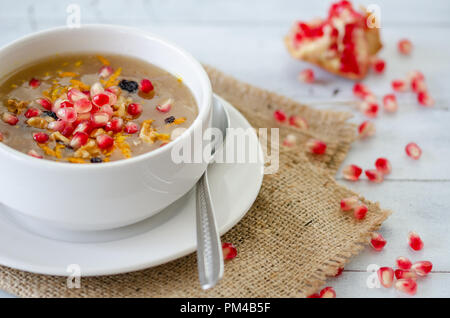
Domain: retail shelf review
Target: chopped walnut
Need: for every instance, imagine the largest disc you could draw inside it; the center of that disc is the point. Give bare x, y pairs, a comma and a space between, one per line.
15, 106
89, 150
147, 133
57, 136
37, 122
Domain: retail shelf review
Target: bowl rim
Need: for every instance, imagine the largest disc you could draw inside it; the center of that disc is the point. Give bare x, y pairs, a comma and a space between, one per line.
51, 164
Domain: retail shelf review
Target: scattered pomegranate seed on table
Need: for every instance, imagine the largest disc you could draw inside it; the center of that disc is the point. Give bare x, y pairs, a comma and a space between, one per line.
390, 103
418, 85
405, 46
406, 285
413, 150
386, 276
360, 212
361, 91
403, 263
289, 141
378, 66
422, 268
414, 241
306, 76
399, 85
383, 165
405, 273
279, 115
425, 99
366, 129
370, 109
316, 146
327, 292
352, 172
348, 204
339, 272
374, 175
229, 251
377, 241
298, 122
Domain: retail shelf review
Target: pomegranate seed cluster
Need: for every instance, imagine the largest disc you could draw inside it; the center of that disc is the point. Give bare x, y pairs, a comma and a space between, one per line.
353, 204
82, 123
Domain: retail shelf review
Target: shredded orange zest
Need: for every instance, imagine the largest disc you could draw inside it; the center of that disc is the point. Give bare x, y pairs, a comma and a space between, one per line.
68, 74
80, 85
123, 146
50, 152
78, 63
75, 160
103, 60
46, 93
162, 137
112, 80
179, 120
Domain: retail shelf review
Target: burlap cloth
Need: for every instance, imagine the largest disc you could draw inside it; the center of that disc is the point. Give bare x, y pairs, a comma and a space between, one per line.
292, 238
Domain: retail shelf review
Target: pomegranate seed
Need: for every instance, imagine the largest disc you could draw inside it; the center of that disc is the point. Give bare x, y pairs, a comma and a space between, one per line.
407, 285
34, 154
416, 75
361, 91
82, 117
379, 65
32, 112
399, 85
83, 105
131, 128
289, 141
377, 241
165, 107
114, 89
107, 109
403, 263
100, 99
57, 105
306, 76
404, 273
45, 103
374, 175
327, 292
84, 127
134, 109
229, 251
352, 172
79, 139
279, 115
67, 114
425, 99
10, 119
418, 85
383, 165
112, 98
57, 125
405, 46
146, 86
66, 104
422, 268
348, 204
339, 272
75, 95
298, 122
316, 146
105, 141
390, 103
366, 129
386, 276
105, 71
115, 125
314, 296
414, 241
370, 109
67, 130
99, 119
34, 83
96, 88
40, 137
360, 212
413, 150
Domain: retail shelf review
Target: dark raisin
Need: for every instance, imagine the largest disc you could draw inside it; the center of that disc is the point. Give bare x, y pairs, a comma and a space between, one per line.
169, 120
96, 160
129, 86
51, 114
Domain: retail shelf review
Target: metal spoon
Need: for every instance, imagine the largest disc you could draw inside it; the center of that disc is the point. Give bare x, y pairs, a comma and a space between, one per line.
209, 247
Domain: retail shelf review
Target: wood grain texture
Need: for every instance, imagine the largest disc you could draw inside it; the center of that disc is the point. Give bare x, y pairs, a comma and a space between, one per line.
244, 39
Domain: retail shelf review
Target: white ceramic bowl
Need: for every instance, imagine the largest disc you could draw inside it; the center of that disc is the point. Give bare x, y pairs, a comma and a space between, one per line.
107, 195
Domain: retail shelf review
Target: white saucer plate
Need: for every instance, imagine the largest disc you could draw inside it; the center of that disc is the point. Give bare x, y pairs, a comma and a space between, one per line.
166, 236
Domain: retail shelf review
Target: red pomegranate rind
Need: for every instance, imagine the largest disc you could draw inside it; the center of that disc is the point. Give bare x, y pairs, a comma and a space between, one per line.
341, 43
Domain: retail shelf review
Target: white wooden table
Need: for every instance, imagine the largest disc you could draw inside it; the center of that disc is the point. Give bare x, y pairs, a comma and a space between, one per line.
244, 38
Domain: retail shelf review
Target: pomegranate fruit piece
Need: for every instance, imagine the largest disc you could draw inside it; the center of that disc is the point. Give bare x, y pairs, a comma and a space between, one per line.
403, 263
229, 251
40, 137
377, 241
327, 292
10, 119
366, 129
360, 212
404, 46
298, 122
352, 172
386, 276
413, 150
32, 112
166, 106
134, 109
414, 241
374, 175
306, 76
105, 141
131, 128
390, 103
316, 146
406, 285
383, 165
279, 115
146, 86
422, 268
349, 203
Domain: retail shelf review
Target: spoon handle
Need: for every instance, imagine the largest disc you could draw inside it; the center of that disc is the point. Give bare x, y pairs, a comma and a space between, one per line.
209, 248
